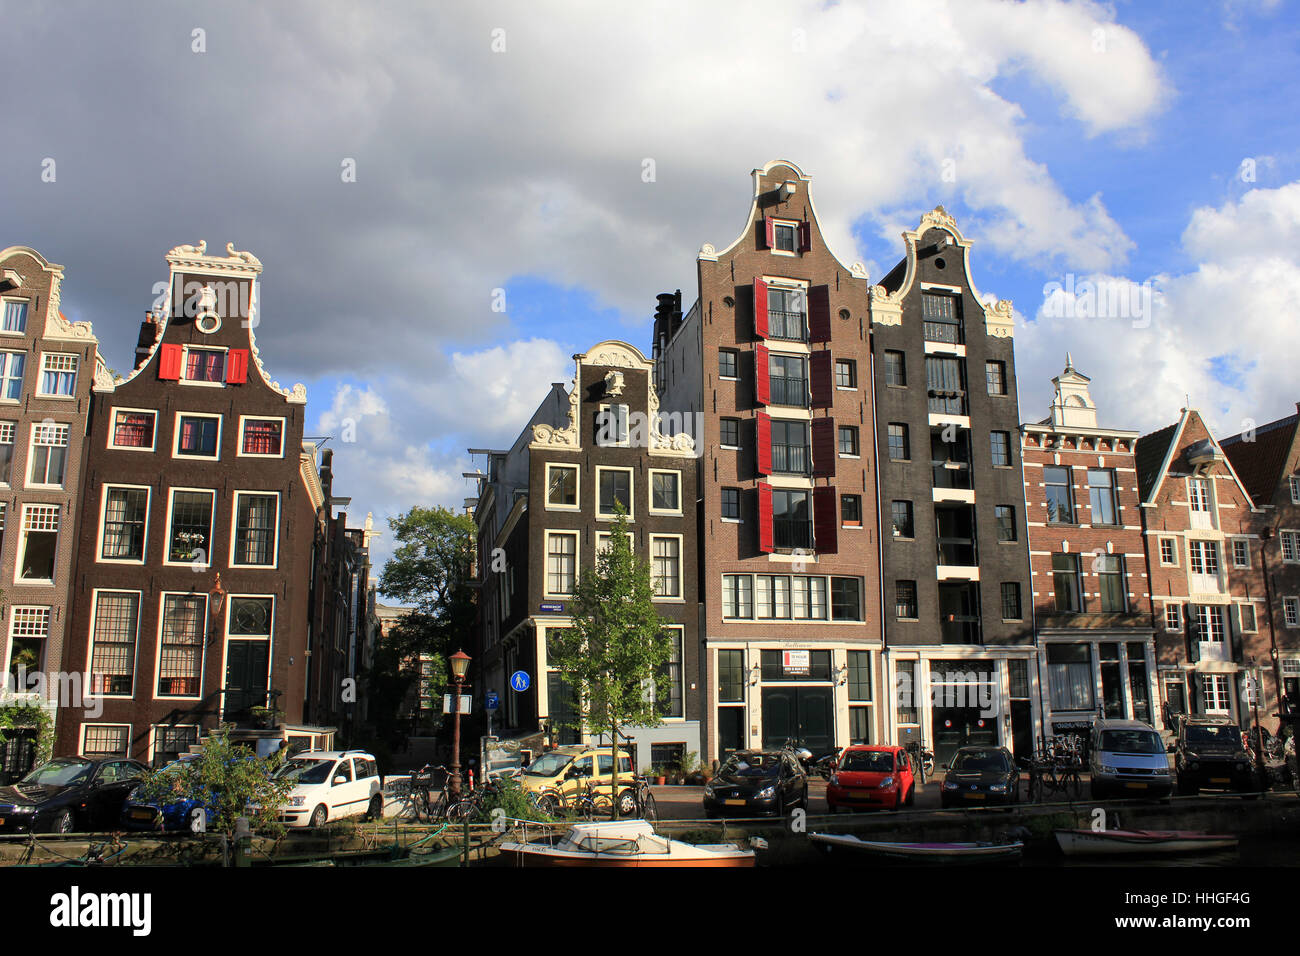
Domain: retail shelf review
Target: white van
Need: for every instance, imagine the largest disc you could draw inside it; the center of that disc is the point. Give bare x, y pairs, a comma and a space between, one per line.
1128, 759
330, 785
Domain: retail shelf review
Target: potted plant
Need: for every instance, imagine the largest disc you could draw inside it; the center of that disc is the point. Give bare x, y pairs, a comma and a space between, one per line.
264, 718
659, 776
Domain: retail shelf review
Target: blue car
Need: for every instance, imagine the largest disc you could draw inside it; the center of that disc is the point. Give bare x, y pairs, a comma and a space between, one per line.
139, 813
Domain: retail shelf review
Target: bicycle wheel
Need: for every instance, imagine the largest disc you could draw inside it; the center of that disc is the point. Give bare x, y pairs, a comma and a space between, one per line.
1035, 788
461, 811
648, 809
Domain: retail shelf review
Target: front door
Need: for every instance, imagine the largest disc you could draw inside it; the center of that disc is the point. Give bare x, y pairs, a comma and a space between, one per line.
245, 678
1022, 729
956, 727
801, 713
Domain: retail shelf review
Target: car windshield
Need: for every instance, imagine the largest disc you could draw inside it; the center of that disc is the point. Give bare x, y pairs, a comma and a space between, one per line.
1130, 742
59, 773
751, 765
867, 761
1224, 735
306, 771
979, 761
548, 765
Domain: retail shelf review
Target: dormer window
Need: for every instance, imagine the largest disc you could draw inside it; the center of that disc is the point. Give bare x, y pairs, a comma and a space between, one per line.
204, 365
15, 318
787, 237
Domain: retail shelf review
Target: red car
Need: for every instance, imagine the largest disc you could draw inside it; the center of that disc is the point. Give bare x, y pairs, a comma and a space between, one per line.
871, 776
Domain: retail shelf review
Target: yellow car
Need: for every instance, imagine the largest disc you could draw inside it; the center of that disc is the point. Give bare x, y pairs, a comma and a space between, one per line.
559, 777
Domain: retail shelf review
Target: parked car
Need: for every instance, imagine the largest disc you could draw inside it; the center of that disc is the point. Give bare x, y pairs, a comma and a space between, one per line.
140, 813
1128, 757
1209, 755
331, 785
757, 783
560, 776
871, 776
69, 794
980, 777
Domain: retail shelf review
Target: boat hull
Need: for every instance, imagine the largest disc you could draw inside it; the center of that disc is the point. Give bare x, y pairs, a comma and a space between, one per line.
523, 855
923, 852
1140, 842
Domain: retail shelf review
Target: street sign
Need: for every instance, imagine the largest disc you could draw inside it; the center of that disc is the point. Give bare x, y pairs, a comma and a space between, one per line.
492, 703
519, 681
452, 704
552, 607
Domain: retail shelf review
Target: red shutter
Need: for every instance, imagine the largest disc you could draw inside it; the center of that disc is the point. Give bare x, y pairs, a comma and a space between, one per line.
821, 372
762, 376
765, 518
824, 450
826, 521
169, 362
805, 236
760, 308
769, 232
237, 366
764, 423
819, 314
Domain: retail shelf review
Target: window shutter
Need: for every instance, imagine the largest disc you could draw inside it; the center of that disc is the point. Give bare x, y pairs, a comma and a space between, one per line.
769, 232
819, 314
765, 518
237, 366
1193, 631
760, 308
1234, 634
762, 376
821, 371
805, 236
169, 362
1194, 705
826, 520
824, 451
764, 422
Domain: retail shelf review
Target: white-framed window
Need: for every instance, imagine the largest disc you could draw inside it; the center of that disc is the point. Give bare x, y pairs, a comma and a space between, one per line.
181, 632
1240, 552
254, 529
203, 366
1215, 693
106, 739
1209, 623
11, 375
612, 426
1168, 552
561, 562
1204, 557
785, 237
1291, 611
190, 518
123, 523
29, 632
671, 675
614, 486
738, 596
58, 375
39, 543
133, 428
172, 740
7, 431
1294, 482
114, 623
1173, 617
563, 487
260, 437
665, 492
782, 597
772, 596
1290, 546
603, 539
197, 436
666, 565
48, 455
1246, 618
14, 319
1198, 494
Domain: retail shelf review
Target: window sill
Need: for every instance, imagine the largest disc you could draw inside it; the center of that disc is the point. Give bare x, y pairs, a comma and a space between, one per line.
730, 447
149, 448
853, 457
846, 388
57, 398
668, 600
728, 378
726, 520
569, 508
201, 384
851, 527
908, 620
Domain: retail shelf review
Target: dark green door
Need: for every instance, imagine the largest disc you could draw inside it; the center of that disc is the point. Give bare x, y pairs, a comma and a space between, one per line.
245, 678
803, 713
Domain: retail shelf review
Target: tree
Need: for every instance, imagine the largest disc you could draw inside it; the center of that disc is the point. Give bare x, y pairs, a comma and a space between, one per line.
614, 654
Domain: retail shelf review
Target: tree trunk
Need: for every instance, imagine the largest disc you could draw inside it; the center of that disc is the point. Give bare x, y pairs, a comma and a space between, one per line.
614, 753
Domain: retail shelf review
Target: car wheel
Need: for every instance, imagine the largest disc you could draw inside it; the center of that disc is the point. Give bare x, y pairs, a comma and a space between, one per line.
803, 801
780, 806
911, 795
318, 816
898, 799
376, 809
63, 823
626, 803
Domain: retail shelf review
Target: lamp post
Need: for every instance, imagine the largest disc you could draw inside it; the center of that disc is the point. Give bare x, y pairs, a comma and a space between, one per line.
459, 665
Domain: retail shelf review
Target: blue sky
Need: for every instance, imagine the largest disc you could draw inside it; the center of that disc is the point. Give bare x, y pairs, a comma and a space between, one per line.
501, 147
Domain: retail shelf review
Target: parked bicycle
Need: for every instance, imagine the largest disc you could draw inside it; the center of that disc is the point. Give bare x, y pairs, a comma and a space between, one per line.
1055, 770
446, 805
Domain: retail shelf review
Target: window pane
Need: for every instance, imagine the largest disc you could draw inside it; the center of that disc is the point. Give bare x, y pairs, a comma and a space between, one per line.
112, 659
255, 525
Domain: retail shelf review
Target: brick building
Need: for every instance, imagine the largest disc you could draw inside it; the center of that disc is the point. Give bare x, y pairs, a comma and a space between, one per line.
1201, 529
1091, 594
198, 509
956, 584
770, 368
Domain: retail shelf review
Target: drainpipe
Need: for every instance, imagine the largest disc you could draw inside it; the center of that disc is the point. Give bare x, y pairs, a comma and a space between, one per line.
1284, 713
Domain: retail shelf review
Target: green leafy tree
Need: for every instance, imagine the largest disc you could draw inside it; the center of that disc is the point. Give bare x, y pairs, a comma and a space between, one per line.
614, 654
230, 779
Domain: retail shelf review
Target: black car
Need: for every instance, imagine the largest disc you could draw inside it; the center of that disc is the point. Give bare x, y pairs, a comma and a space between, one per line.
981, 777
753, 783
69, 794
1209, 755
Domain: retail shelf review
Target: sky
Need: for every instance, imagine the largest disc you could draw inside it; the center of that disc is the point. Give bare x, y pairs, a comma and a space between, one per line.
450, 200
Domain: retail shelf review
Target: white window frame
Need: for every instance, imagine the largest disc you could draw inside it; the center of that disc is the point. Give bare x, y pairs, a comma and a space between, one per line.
176, 436
624, 439
1241, 621
735, 354
1291, 611
5, 302
1294, 482
90, 644
6, 377
212, 528
203, 644
721, 443
76, 373
546, 486
81, 736
103, 513
12, 429
1205, 551
227, 638
1173, 549
631, 492
66, 429
234, 518
155, 728
680, 596
1245, 543
650, 491
20, 554
1285, 535
225, 364
794, 227
1203, 484
1177, 618
239, 445
577, 563
112, 429
1222, 693
681, 672
13, 621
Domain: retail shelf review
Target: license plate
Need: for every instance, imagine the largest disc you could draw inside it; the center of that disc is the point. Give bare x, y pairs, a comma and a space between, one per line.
141, 815
2, 821
734, 803
1136, 786
860, 793
974, 796
1220, 780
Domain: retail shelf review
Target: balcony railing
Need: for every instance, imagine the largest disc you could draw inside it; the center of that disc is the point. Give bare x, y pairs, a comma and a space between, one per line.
789, 391
790, 459
947, 403
959, 629
791, 533
952, 474
787, 325
957, 551
946, 332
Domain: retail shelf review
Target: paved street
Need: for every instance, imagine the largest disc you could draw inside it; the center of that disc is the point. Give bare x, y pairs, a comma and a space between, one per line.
687, 803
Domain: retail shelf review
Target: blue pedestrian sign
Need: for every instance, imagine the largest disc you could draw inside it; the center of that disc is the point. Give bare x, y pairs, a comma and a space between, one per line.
492, 702
519, 681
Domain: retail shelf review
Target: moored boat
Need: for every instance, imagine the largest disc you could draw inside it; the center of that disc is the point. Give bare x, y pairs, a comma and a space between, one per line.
622, 843
922, 852
1140, 842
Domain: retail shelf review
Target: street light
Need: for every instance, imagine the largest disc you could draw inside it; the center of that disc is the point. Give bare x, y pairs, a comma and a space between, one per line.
459, 665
